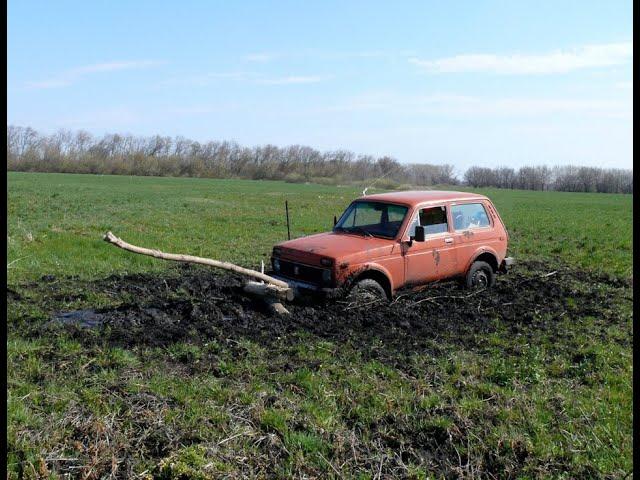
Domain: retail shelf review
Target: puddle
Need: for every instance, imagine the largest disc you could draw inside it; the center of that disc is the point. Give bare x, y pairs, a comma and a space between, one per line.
88, 318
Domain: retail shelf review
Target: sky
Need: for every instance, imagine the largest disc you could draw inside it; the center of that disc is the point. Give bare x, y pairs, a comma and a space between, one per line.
466, 83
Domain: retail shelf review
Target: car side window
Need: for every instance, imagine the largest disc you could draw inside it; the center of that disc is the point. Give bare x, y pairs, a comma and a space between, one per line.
433, 219
469, 215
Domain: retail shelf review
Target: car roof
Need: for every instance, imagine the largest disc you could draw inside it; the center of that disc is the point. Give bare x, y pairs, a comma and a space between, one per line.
415, 197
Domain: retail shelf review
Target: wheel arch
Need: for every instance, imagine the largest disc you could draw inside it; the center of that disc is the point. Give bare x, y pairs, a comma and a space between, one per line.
485, 255
376, 274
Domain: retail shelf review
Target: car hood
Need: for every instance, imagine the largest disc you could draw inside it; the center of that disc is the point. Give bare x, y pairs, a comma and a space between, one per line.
339, 246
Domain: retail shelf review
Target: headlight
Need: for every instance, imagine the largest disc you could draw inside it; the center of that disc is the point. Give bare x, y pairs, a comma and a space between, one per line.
327, 262
326, 276
277, 251
276, 264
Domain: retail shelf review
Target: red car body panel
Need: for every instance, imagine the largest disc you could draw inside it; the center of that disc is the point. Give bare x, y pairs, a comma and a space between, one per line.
403, 262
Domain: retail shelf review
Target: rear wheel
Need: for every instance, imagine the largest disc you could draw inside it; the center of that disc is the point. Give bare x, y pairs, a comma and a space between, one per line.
480, 275
367, 291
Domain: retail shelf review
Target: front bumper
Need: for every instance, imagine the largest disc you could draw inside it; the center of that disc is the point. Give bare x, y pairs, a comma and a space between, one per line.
298, 285
506, 264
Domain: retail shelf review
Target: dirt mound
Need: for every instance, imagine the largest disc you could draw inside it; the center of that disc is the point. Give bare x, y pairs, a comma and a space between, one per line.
199, 304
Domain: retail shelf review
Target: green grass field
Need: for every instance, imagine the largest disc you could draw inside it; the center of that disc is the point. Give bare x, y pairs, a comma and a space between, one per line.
56, 221
555, 407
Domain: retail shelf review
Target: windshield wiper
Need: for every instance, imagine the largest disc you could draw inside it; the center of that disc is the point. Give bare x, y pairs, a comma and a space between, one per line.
360, 229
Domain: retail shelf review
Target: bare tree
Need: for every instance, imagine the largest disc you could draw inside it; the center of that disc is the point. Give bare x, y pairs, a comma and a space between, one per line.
80, 152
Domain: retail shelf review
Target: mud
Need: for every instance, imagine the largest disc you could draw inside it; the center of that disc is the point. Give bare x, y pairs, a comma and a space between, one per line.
538, 302
82, 318
194, 304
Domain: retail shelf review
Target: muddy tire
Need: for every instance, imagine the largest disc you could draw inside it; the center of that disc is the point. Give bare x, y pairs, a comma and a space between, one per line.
367, 291
480, 275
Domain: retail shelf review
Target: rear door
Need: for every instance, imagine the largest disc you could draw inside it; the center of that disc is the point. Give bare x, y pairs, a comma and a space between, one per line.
435, 258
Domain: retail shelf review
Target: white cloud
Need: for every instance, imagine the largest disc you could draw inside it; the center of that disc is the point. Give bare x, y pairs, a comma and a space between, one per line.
625, 85
204, 79
448, 105
114, 66
589, 56
73, 75
292, 80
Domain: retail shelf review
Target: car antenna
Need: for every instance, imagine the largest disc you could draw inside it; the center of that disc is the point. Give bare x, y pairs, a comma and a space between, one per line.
364, 192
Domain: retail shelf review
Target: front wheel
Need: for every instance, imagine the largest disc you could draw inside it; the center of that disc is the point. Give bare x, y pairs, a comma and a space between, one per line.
480, 275
367, 291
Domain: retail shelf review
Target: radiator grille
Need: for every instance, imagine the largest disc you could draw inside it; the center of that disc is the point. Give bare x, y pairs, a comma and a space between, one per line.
301, 272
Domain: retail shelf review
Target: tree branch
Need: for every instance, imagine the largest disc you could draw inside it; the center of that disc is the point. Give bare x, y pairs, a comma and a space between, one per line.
277, 285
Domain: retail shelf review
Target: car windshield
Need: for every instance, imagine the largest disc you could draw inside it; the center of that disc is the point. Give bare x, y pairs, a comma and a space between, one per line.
372, 218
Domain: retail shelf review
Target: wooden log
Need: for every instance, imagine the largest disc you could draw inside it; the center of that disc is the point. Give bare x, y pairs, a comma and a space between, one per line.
270, 296
277, 307
266, 290
278, 287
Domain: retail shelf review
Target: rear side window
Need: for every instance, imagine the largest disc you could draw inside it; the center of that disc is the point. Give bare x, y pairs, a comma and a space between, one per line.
469, 215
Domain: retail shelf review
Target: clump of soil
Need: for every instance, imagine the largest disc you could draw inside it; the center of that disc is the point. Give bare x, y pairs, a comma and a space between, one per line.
199, 304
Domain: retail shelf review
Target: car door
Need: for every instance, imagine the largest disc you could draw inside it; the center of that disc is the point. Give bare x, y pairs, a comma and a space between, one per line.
435, 258
472, 228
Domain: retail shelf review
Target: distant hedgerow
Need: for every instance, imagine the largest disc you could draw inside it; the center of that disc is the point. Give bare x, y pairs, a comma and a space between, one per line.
116, 154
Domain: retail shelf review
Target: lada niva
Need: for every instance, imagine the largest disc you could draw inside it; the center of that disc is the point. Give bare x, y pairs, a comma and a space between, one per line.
388, 241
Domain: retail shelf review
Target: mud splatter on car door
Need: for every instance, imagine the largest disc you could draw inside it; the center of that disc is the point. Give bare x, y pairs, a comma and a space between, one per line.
433, 258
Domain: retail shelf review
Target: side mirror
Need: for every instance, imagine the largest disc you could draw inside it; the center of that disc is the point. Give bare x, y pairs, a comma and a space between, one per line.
418, 236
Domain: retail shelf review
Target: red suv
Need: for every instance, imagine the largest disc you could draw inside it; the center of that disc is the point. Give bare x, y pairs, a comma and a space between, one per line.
401, 239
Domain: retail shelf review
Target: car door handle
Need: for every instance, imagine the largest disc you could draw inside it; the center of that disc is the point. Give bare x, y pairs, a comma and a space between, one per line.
448, 240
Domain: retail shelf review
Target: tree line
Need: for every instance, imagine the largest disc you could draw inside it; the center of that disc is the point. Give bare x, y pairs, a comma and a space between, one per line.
566, 178
116, 154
